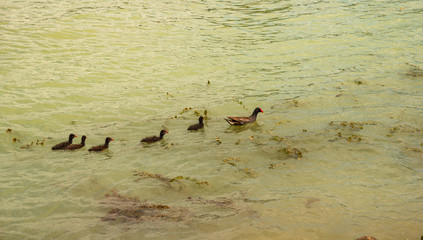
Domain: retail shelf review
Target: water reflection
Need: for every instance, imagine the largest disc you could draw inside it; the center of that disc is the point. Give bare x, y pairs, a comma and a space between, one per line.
254, 127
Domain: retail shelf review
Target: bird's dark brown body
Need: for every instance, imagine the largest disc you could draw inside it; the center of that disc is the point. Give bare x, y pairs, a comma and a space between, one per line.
62, 145
101, 147
197, 126
154, 138
76, 145
244, 120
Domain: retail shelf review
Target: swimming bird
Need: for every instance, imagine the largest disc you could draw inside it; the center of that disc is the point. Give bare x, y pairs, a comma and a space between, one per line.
76, 145
62, 145
154, 138
101, 147
197, 126
244, 120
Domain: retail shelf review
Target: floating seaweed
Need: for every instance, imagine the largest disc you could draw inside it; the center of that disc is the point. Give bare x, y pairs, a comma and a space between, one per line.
289, 150
222, 206
239, 102
294, 102
235, 162
414, 70
256, 140
220, 201
354, 138
344, 130
185, 110
275, 165
169, 145
291, 102
278, 139
189, 179
248, 171
159, 177
166, 180
310, 202
40, 142
182, 112
282, 122
358, 82
232, 161
413, 149
27, 146
198, 114
114, 193
126, 208
9, 130
292, 152
347, 137
404, 128
342, 125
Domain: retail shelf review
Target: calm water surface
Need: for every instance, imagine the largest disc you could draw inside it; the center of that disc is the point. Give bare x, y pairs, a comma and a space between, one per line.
337, 153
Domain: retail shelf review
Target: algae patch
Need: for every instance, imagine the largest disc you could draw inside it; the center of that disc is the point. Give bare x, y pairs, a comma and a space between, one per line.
293, 152
348, 130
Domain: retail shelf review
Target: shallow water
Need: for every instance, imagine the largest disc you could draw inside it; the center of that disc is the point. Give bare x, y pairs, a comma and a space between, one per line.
337, 153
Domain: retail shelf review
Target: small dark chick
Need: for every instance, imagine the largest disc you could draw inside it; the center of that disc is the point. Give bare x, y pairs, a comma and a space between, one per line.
100, 148
154, 138
197, 126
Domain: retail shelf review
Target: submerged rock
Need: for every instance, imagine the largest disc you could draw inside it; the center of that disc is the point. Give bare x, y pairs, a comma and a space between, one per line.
132, 210
125, 208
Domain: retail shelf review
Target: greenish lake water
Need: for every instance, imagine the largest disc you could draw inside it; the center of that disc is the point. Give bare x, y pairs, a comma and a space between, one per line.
337, 153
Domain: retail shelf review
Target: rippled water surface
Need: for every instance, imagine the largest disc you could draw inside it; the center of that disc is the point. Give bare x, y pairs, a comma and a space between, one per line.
337, 153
